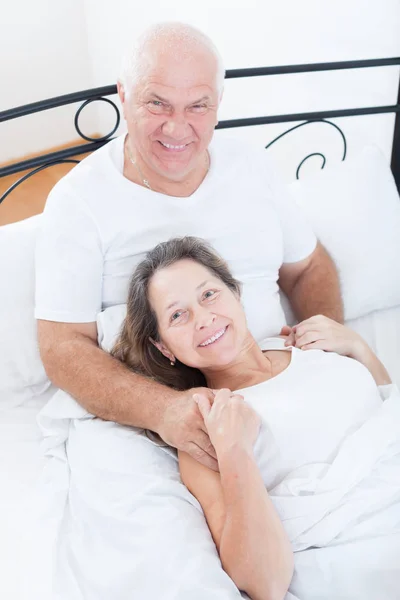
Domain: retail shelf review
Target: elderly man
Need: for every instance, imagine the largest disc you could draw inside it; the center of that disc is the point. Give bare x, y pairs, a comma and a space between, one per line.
167, 177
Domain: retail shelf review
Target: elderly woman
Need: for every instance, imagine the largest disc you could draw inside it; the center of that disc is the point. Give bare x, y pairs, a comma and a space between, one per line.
308, 453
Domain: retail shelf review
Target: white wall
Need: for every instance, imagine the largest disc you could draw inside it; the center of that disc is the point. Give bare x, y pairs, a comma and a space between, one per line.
44, 53
254, 33
262, 33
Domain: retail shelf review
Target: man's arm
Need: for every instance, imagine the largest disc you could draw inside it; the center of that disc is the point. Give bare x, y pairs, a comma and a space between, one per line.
312, 286
105, 387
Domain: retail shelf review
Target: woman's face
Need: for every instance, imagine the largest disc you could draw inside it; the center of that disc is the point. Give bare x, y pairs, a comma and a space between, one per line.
200, 320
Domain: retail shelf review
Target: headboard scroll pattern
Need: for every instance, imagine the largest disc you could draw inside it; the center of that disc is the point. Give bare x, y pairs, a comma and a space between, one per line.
100, 94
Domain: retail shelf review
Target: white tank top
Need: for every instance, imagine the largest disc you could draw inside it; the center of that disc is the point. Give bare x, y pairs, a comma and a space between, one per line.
308, 409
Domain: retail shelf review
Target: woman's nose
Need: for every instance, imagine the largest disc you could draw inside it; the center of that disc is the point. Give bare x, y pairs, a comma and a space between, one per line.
204, 319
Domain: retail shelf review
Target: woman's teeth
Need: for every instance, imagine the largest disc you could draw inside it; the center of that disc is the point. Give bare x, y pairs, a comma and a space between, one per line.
214, 338
171, 147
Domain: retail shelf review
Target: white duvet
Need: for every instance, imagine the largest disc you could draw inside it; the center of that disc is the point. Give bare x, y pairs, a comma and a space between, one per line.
116, 522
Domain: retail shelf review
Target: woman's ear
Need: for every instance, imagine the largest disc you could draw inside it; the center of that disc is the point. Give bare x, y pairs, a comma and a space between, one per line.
163, 349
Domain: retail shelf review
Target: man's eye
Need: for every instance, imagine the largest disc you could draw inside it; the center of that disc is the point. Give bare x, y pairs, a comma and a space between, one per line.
199, 107
156, 105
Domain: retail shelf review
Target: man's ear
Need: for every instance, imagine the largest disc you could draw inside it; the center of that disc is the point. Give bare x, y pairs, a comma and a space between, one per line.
163, 349
219, 103
122, 97
121, 92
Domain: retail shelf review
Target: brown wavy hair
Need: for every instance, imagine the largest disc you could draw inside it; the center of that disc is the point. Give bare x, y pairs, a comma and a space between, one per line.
133, 346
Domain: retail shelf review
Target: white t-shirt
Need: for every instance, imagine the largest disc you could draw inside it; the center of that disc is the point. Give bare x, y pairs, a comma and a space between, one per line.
329, 455
97, 225
309, 409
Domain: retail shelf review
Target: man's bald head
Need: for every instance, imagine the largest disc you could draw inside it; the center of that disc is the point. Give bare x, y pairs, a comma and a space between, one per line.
166, 44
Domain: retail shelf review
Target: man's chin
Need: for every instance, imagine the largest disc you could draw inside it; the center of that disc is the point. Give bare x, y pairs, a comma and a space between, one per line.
177, 175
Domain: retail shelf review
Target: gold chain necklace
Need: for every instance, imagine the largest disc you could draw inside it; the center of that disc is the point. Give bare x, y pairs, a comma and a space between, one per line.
146, 181
133, 161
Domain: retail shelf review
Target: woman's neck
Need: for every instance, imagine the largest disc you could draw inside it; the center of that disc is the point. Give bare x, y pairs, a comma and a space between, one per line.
250, 367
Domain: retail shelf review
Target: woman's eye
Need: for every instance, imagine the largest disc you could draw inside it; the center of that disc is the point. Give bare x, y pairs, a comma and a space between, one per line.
176, 315
209, 294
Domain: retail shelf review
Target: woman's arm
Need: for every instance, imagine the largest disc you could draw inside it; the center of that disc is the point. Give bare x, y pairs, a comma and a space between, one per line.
250, 538
364, 354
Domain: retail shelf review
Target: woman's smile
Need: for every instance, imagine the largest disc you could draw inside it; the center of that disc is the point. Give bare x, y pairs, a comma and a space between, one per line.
214, 338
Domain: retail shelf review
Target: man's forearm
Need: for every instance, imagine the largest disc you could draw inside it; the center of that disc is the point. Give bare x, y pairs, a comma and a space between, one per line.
317, 292
105, 387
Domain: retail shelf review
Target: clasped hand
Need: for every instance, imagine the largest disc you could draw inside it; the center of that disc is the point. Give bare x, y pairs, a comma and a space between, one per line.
320, 332
208, 423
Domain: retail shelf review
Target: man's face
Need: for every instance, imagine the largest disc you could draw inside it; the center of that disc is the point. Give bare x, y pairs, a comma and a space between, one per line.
172, 113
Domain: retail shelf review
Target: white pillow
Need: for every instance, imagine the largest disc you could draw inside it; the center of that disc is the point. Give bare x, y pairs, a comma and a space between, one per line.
109, 324
22, 375
354, 208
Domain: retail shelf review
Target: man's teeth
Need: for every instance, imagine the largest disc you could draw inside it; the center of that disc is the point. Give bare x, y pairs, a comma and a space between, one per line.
213, 338
171, 147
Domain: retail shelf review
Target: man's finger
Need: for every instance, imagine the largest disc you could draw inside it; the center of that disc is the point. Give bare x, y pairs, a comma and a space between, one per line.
203, 403
202, 457
204, 443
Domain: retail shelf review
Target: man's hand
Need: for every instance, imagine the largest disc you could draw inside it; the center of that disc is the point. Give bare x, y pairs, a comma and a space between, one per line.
183, 427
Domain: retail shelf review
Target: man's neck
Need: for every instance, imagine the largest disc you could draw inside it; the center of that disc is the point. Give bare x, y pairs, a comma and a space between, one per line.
163, 185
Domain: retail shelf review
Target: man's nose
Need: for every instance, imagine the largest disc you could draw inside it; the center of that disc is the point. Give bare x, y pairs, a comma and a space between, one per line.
176, 127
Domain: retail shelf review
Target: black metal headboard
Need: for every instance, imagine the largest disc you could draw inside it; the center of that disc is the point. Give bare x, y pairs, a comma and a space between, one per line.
100, 94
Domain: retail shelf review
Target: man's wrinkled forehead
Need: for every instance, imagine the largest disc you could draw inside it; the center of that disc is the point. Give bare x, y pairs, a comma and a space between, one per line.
193, 72
171, 94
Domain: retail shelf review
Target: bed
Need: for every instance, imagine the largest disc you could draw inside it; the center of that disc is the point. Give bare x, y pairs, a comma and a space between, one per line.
32, 515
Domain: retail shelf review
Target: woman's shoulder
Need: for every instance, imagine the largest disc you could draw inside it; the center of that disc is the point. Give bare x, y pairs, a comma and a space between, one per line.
274, 343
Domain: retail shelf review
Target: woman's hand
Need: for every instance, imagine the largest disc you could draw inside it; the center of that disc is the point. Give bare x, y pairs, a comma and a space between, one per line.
183, 427
230, 422
322, 333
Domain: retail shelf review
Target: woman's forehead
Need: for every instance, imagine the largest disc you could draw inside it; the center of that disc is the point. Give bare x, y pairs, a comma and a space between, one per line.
176, 280
185, 271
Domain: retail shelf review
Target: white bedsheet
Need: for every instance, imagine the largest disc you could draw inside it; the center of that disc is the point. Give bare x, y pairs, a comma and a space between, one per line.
130, 529
94, 564
21, 464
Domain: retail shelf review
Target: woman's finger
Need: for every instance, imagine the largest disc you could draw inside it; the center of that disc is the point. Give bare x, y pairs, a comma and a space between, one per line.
286, 330
290, 340
319, 345
222, 394
309, 324
308, 338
